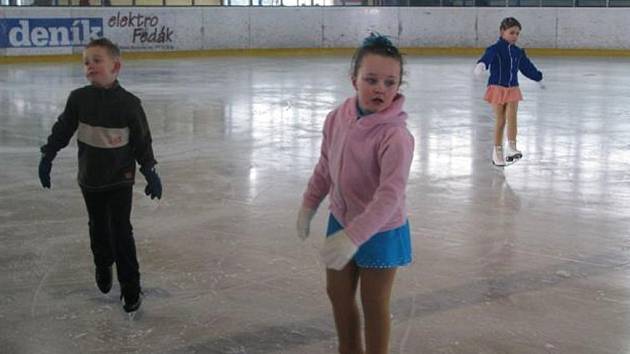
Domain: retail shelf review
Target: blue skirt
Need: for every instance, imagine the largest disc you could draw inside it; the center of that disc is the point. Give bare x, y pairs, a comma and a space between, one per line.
387, 249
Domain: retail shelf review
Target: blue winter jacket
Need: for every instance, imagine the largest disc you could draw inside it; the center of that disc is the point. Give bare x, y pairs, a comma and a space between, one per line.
505, 60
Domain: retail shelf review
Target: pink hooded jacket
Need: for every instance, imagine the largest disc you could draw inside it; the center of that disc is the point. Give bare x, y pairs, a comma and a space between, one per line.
364, 165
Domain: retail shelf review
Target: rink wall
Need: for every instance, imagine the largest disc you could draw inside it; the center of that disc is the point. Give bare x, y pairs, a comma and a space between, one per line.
63, 31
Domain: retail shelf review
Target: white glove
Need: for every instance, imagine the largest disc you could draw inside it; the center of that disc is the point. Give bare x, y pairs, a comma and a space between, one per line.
303, 224
541, 85
479, 69
338, 250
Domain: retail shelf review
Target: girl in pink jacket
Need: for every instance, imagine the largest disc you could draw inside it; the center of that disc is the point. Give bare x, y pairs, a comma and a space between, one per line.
364, 165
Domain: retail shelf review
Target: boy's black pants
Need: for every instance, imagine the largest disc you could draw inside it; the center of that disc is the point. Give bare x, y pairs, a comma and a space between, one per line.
111, 235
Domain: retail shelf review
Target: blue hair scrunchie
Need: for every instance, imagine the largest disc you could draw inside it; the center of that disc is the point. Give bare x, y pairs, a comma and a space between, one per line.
377, 40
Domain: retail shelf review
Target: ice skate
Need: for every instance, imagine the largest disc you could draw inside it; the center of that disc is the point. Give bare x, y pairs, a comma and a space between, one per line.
497, 156
103, 277
511, 153
131, 302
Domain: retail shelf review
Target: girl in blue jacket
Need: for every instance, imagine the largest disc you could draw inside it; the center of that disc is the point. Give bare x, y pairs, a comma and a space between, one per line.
505, 60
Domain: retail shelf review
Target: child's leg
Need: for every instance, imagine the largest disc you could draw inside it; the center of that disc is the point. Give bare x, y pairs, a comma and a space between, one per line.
342, 288
376, 289
499, 124
100, 241
510, 112
122, 239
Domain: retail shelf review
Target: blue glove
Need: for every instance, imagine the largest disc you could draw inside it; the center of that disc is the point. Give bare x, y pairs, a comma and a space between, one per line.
45, 165
154, 185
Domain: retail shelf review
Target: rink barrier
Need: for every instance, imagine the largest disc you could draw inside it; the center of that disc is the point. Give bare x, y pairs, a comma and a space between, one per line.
305, 52
39, 31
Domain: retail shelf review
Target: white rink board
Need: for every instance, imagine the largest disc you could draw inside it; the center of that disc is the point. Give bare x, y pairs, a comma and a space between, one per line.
37, 31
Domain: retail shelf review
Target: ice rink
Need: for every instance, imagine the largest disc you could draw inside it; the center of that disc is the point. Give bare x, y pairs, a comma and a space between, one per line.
532, 258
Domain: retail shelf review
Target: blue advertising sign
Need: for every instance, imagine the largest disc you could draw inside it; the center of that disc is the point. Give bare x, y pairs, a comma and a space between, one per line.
48, 32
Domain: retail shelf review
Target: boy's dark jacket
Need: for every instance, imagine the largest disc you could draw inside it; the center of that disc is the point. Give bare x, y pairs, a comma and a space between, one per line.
505, 60
112, 133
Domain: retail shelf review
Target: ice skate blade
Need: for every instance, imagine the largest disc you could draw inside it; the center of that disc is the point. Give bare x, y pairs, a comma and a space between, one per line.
134, 315
511, 162
513, 158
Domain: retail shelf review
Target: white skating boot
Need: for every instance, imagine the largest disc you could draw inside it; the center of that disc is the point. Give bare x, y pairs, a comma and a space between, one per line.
497, 156
511, 153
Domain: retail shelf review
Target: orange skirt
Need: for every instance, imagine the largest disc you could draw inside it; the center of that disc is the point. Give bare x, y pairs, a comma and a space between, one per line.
496, 94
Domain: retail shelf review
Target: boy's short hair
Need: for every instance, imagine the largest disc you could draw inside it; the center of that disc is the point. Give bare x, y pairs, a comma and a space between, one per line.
103, 42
